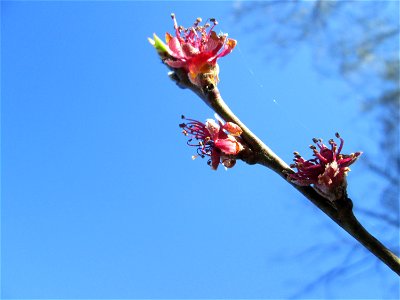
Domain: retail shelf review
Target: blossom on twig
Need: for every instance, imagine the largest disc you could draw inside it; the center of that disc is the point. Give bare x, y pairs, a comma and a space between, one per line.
327, 171
194, 49
221, 142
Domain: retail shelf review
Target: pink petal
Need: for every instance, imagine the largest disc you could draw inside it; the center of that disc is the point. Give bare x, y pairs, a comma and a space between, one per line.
228, 47
176, 48
175, 63
213, 128
189, 50
232, 128
215, 157
228, 146
347, 160
213, 43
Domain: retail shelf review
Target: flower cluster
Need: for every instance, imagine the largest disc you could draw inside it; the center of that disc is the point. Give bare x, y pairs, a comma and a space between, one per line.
327, 171
221, 142
194, 49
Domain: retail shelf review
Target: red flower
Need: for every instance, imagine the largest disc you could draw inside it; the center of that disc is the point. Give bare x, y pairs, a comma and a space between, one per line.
219, 141
327, 171
195, 50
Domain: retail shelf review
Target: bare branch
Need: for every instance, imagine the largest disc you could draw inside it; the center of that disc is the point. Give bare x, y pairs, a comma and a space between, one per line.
341, 212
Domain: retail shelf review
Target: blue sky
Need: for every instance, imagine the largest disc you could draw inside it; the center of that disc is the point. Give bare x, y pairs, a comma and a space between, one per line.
100, 197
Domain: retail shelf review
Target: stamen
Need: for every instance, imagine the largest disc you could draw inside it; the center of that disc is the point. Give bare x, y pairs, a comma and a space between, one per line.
334, 148
175, 22
341, 142
321, 158
214, 21
197, 22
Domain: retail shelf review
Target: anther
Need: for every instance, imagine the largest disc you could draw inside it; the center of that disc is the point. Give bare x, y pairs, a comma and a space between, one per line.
315, 140
337, 135
214, 21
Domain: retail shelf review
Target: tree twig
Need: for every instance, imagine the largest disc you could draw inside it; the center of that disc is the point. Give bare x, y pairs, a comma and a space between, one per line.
341, 212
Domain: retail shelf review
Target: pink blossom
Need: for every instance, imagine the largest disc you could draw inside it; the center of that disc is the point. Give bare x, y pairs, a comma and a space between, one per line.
221, 142
327, 171
195, 49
